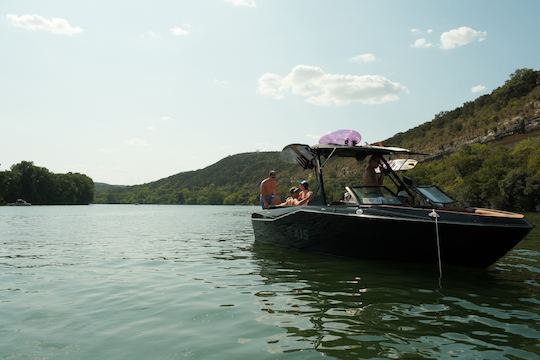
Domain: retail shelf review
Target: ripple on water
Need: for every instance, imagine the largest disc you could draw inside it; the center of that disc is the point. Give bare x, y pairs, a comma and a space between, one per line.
139, 282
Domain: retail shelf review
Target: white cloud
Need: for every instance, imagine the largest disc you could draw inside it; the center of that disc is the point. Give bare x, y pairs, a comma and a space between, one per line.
135, 141
418, 32
271, 85
363, 58
183, 30
39, 23
461, 36
151, 128
221, 83
478, 89
108, 150
153, 35
322, 88
167, 118
421, 44
247, 3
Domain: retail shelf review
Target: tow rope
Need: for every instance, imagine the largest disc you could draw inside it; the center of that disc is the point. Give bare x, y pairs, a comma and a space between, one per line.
434, 215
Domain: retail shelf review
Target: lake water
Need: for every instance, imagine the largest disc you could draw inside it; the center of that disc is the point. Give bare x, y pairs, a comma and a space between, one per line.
187, 282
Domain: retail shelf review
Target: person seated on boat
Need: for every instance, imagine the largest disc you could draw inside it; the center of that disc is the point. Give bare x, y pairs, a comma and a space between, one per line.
268, 191
305, 194
292, 200
370, 177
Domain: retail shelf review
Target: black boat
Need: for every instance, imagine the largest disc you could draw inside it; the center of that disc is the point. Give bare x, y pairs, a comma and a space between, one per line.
419, 225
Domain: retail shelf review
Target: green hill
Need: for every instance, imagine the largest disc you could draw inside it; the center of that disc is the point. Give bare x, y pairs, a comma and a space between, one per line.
232, 180
474, 173
510, 109
486, 152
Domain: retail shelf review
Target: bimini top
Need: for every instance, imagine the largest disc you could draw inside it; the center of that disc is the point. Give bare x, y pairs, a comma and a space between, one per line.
361, 151
305, 154
340, 143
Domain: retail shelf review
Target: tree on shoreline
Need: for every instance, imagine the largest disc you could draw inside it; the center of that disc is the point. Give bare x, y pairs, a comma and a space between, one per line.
39, 186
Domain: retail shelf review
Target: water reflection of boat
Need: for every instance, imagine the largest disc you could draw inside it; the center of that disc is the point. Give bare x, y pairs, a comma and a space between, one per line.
19, 202
354, 310
377, 224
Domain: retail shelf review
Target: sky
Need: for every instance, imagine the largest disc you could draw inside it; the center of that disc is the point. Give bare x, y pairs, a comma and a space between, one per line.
128, 92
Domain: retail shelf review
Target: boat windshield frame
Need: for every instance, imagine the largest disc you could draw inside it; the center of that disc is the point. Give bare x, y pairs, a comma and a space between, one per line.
434, 195
373, 195
322, 153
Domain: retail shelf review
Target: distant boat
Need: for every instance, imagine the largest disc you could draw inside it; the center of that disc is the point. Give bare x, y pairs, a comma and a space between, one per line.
19, 202
376, 223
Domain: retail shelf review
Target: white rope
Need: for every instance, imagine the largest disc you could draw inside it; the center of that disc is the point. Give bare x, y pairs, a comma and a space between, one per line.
434, 215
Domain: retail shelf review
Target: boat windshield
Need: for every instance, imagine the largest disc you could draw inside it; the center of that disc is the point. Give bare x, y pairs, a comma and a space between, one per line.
374, 195
434, 195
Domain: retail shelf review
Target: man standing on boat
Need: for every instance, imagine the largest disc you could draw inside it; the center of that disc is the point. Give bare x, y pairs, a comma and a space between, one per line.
269, 194
370, 177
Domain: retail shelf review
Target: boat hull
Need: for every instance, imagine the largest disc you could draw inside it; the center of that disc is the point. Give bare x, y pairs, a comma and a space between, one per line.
391, 233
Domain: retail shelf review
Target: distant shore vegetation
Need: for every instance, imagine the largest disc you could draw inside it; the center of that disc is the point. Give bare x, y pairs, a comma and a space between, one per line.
37, 185
233, 180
